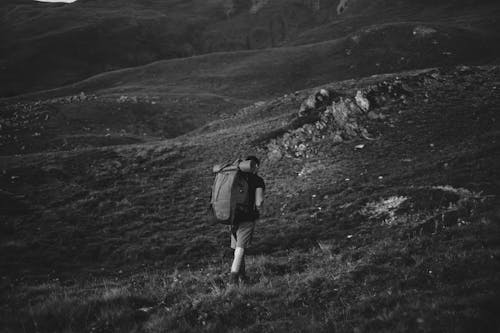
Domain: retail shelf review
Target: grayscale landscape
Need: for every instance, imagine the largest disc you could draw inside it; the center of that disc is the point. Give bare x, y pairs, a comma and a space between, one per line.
377, 124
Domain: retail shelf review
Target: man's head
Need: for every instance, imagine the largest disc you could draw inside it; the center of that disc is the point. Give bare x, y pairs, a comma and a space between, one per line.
254, 159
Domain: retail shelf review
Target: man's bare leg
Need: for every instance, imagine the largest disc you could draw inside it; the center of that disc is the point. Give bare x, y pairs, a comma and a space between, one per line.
237, 261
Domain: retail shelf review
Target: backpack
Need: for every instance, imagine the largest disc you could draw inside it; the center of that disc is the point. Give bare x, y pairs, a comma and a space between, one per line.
230, 192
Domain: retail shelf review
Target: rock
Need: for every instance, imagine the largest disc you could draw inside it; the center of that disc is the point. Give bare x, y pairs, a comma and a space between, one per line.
324, 93
352, 106
366, 135
373, 115
362, 101
308, 128
351, 129
340, 113
337, 138
316, 102
422, 31
320, 125
122, 99
435, 76
274, 155
464, 69
335, 116
307, 105
301, 149
343, 111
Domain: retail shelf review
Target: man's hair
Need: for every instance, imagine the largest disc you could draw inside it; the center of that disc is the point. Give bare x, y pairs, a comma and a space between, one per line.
253, 158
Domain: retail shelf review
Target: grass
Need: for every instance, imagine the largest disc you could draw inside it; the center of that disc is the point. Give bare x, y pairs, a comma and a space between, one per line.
170, 98
116, 229
386, 283
168, 95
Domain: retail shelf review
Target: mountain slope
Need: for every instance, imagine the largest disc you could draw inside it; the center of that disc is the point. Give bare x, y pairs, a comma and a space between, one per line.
48, 45
170, 98
352, 224
382, 190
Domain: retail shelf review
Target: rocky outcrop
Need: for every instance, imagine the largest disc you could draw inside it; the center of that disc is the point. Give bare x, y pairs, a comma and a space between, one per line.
423, 31
335, 116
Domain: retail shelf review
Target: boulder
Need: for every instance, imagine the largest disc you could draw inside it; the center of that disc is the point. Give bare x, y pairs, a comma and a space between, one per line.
340, 113
362, 101
307, 105
274, 155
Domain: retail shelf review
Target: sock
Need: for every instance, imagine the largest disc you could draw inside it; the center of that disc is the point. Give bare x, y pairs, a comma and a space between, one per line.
238, 258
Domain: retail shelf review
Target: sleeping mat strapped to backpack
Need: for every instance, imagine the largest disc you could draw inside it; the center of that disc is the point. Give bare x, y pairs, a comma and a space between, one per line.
230, 197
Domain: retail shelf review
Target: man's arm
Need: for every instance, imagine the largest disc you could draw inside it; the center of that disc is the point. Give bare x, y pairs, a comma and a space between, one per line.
259, 197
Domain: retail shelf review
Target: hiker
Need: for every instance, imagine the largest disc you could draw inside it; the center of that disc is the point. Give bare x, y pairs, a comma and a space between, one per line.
243, 227
237, 197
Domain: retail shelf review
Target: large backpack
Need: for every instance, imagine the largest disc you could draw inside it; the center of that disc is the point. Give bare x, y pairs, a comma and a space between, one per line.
230, 192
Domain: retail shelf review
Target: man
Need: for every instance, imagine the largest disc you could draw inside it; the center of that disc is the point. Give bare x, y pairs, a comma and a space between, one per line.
242, 230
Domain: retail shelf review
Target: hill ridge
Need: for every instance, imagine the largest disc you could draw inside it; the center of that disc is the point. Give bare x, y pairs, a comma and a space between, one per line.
378, 223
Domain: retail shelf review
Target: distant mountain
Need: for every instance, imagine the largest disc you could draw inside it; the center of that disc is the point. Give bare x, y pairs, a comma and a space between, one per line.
48, 45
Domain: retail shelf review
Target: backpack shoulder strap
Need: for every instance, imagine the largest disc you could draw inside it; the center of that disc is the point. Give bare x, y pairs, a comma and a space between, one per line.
220, 167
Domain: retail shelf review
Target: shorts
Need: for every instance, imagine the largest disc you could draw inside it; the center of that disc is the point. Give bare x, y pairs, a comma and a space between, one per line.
241, 234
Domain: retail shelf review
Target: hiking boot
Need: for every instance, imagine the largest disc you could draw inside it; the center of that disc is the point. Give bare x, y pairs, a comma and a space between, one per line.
234, 279
242, 273
243, 279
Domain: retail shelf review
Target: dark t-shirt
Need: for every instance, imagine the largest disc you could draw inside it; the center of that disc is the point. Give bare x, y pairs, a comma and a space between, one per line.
254, 182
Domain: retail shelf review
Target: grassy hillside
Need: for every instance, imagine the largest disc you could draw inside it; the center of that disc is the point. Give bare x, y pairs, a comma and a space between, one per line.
382, 197
48, 45
169, 98
386, 220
